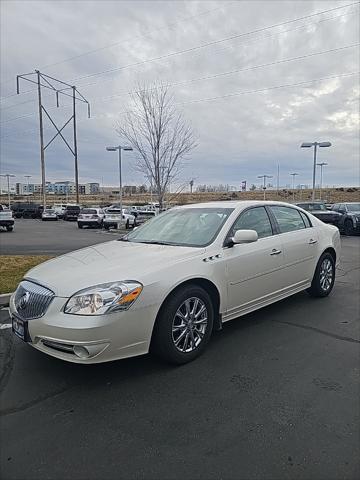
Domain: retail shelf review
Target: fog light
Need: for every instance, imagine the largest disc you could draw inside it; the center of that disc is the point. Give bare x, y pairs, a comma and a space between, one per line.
81, 352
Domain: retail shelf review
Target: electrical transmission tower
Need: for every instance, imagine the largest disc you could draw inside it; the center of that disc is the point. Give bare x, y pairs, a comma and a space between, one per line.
58, 87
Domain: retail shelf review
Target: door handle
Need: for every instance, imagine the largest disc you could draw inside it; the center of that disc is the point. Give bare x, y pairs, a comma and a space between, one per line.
275, 252
311, 241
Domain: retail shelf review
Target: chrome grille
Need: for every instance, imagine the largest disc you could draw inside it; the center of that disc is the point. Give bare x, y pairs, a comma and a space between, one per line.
32, 300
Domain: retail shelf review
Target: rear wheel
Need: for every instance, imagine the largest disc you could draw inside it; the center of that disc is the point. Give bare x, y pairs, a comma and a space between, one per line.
9, 228
80, 226
348, 227
184, 325
324, 277
127, 224
106, 227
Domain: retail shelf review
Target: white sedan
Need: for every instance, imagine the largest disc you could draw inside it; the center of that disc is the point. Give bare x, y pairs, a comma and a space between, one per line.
49, 214
168, 284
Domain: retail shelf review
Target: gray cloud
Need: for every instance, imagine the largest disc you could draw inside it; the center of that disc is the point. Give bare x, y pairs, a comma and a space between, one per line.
239, 136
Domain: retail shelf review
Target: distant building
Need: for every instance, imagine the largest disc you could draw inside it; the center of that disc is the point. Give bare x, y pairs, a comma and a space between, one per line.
57, 188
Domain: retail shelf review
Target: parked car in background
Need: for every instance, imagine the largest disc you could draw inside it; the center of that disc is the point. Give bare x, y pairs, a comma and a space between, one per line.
6, 218
145, 215
113, 217
71, 212
91, 217
349, 212
319, 210
166, 286
59, 210
27, 210
49, 214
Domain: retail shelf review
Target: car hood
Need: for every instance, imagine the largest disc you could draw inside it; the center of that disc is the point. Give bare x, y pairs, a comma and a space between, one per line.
107, 262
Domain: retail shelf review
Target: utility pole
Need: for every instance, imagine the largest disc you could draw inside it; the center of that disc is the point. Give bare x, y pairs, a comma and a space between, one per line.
59, 88
278, 179
321, 165
264, 177
315, 145
8, 176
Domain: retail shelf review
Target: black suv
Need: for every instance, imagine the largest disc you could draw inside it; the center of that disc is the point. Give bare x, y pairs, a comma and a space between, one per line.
71, 212
319, 210
349, 222
27, 210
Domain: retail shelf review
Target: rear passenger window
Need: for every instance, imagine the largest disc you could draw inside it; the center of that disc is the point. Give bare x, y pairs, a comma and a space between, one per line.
306, 220
254, 219
288, 219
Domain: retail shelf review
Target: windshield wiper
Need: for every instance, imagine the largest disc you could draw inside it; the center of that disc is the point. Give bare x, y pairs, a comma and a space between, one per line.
155, 242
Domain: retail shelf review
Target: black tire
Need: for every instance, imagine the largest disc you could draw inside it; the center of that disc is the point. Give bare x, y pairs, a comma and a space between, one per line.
134, 224
348, 227
321, 287
127, 224
163, 343
80, 226
106, 227
9, 228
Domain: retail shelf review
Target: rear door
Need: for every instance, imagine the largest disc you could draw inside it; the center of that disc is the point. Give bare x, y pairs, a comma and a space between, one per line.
299, 242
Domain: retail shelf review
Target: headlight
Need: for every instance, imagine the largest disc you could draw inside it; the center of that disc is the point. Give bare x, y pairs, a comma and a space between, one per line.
105, 298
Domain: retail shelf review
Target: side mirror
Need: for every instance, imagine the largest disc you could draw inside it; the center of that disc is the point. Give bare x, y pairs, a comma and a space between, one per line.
244, 236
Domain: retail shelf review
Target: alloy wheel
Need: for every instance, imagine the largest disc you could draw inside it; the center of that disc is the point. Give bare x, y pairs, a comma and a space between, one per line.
326, 275
189, 325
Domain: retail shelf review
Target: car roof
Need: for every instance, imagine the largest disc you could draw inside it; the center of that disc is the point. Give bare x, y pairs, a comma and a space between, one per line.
236, 204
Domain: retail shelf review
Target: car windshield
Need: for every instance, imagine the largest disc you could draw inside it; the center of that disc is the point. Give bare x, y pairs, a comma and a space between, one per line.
353, 207
188, 227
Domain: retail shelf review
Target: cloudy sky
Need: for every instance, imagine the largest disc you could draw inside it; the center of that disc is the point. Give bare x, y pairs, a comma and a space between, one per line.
235, 72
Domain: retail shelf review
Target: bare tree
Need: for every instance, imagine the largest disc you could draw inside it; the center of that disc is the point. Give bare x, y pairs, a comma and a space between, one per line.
159, 134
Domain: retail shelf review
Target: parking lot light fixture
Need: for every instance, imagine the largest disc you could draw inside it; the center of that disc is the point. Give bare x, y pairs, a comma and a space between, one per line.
8, 176
264, 177
321, 165
293, 183
113, 149
315, 145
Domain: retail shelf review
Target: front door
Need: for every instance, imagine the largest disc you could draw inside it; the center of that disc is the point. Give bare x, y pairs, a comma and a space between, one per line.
254, 270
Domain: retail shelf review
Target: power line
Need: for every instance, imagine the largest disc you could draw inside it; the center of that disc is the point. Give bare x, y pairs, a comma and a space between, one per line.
247, 92
261, 38
269, 88
210, 77
130, 39
214, 42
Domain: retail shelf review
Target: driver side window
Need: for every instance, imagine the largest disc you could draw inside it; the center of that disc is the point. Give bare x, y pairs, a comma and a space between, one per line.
254, 219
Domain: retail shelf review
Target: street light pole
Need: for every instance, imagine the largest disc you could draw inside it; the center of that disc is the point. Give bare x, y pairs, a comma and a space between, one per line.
264, 177
321, 175
315, 145
293, 183
8, 175
113, 149
27, 178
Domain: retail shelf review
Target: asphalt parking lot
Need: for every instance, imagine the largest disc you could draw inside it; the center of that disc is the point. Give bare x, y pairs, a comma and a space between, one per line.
35, 237
275, 396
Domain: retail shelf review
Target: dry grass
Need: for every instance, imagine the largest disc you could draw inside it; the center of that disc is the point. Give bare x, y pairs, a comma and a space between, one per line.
13, 268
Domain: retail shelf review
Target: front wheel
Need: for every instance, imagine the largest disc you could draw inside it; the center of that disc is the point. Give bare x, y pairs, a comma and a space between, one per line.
324, 277
348, 227
184, 325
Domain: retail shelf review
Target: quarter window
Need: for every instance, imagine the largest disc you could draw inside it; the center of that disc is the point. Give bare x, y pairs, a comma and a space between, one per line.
306, 220
288, 219
254, 219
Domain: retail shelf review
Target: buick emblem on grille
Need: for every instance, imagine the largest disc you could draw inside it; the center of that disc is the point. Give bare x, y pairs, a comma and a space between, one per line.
23, 300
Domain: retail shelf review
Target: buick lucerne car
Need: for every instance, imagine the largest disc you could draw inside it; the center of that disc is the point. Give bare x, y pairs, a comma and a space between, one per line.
165, 286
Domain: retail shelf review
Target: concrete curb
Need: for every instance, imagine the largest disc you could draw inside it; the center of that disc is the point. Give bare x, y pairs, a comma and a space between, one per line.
4, 299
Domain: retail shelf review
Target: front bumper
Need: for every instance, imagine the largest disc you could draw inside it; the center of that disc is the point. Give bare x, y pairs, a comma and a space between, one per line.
91, 339
6, 223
